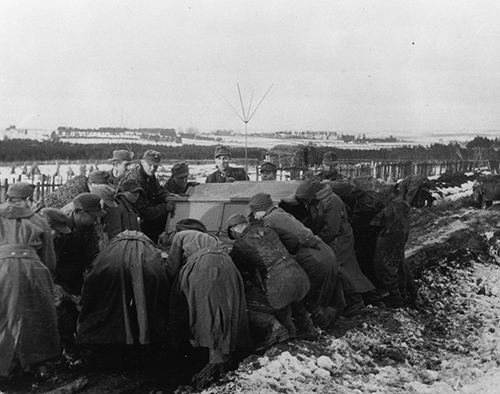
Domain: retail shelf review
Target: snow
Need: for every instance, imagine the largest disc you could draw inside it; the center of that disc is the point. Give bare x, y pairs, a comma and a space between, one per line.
451, 345
198, 172
453, 193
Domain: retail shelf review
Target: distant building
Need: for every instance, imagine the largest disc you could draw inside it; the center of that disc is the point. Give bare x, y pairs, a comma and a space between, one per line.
12, 132
308, 134
112, 133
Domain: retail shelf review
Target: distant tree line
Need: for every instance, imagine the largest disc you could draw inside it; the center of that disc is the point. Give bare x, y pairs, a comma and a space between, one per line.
22, 150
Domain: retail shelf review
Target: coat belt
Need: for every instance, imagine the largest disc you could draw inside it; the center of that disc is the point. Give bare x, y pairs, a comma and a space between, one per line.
17, 251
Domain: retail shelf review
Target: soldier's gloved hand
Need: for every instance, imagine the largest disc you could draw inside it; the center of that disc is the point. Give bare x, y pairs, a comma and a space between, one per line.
170, 207
230, 179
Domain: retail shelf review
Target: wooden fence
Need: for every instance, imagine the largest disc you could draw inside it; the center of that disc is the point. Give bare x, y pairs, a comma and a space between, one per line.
43, 185
381, 169
391, 170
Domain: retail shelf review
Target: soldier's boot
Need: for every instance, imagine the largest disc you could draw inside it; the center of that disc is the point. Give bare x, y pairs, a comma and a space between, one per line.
355, 304
284, 316
394, 299
374, 298
303, 322
323, 317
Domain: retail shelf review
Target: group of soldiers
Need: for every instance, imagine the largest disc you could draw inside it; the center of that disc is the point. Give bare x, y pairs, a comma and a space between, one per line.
92, 272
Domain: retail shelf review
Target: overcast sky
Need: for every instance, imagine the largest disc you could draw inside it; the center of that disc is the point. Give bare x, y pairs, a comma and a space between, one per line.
357, 66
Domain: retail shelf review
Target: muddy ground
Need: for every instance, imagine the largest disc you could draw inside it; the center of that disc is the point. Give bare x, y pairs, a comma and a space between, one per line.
451, 343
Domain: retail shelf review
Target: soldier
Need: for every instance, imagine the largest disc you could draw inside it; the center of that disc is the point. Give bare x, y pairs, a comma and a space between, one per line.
327, 218
99, 177
107, 193
224, 172
178, 182
28, 326
390, 270
268, 171
275, 284
125, 216
77, 249
313, 255
209, 286
66, 304
121, 160
330, 171
152, 205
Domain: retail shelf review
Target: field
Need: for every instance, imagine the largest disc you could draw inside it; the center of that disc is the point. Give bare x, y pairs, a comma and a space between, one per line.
198, 172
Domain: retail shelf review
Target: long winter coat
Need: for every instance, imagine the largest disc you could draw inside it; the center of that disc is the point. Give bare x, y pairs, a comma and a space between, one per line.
209, 284
394, 224
328, 220
314, 256
28, 323
125, 295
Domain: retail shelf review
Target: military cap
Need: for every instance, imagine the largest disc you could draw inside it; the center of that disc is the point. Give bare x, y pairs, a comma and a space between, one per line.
20, 190
268, 167
130, 185
190, 224
221, 150
308, 189
152, 157
330, 158
180, 169
57, 220
235, 219
122, 155
107, 194
99, 177
260, 202
90, 203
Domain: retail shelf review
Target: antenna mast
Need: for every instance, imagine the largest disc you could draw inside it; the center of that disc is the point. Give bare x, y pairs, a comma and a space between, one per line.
246, 115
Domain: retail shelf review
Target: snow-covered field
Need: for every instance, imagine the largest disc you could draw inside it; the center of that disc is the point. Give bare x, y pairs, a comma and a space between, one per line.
198, 172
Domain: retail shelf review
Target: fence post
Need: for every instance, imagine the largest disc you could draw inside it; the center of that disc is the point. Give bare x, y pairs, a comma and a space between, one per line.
3, 191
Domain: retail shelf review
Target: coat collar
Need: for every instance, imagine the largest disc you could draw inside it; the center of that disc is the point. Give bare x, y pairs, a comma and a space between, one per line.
11, 212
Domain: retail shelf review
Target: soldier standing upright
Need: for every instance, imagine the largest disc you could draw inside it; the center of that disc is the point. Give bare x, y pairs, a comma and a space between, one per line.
224, 172
152, 204
121, 160
268, 171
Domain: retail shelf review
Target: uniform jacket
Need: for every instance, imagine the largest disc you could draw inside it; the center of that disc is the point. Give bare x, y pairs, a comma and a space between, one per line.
238, 174
312, 254
260, 256
292, 232
151, 204
123, 217
75, 252
328, 219
171, 187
